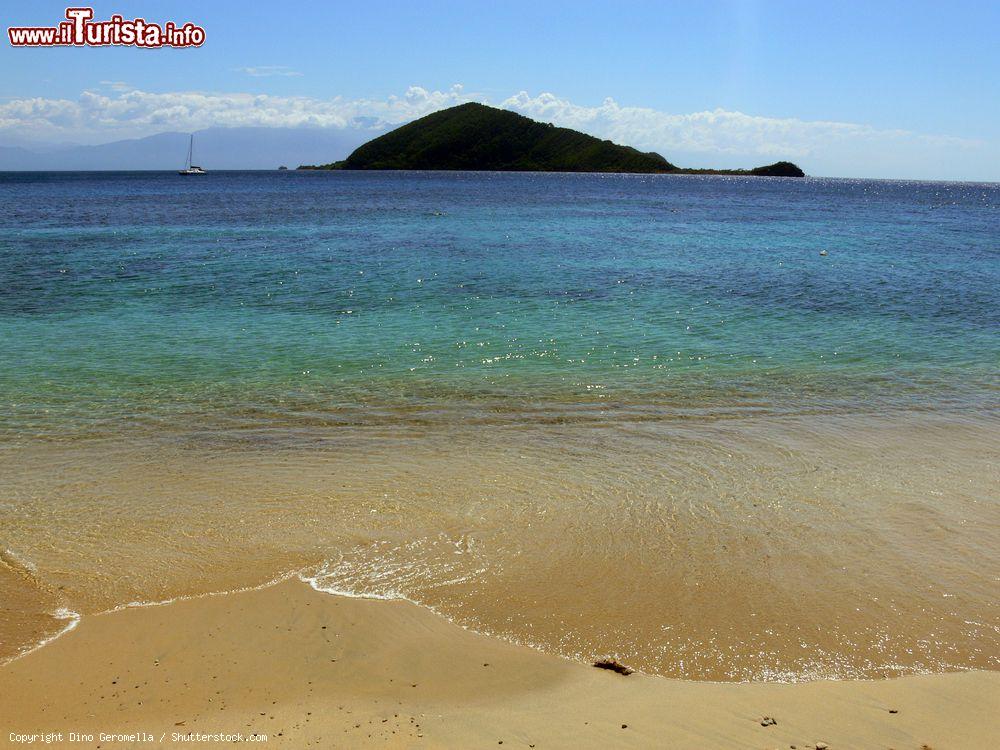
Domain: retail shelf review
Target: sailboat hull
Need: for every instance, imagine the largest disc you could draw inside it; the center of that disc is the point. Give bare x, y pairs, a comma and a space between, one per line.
190, 168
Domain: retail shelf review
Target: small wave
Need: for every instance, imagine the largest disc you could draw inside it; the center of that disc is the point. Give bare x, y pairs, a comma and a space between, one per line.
324, 572
188, 597
26, 572
73, 617
62, 613
314, 582
17, 564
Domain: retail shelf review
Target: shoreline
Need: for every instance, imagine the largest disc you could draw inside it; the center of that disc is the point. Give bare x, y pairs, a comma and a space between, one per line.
74, 618
308, 668
834, 534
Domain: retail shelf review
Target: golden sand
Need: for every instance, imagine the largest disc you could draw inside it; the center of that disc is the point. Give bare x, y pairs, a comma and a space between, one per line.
313, 670
748, 549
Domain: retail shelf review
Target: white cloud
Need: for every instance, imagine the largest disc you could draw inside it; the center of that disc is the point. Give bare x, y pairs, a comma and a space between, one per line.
97, 117
711, 138
263, 71
716, 131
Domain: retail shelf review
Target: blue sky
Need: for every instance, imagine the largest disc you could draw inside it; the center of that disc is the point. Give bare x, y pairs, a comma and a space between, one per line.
849, 88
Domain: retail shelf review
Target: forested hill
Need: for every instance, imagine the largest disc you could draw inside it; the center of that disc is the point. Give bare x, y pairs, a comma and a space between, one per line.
477, 137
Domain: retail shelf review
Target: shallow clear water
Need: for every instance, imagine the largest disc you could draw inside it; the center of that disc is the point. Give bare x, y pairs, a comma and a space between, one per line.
638, 415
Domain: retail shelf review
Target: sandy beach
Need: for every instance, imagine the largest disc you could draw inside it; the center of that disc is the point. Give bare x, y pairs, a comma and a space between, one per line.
309, 669
615, 375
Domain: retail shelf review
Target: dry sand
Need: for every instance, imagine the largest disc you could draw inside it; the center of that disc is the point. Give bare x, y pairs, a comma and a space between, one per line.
309, 669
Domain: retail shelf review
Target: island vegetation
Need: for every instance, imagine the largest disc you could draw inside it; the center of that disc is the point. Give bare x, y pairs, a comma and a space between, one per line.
478, 137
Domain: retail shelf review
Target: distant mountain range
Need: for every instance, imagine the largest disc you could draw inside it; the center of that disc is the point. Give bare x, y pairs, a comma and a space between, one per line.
214, 148
479, 137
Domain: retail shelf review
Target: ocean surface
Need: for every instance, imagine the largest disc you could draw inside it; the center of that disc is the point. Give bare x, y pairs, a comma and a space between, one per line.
716, 427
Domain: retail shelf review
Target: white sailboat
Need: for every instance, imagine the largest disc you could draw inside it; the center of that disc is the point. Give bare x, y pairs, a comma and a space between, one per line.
190, 168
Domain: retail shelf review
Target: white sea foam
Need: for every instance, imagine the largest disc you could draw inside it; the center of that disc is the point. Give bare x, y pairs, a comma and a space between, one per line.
17, 560
315, 582
189, 597
62, 613
73, 617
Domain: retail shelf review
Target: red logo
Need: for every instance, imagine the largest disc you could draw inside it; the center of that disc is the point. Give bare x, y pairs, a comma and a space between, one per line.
80, 30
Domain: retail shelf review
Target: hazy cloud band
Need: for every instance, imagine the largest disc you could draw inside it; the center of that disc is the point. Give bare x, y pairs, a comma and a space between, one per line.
116, 111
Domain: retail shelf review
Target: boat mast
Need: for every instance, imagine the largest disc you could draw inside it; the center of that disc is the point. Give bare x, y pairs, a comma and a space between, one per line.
190, 151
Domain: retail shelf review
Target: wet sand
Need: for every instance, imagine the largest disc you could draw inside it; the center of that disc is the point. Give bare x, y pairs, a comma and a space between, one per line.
314, 670
751, 549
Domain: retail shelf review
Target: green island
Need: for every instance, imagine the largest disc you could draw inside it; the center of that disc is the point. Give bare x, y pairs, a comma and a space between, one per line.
482, 138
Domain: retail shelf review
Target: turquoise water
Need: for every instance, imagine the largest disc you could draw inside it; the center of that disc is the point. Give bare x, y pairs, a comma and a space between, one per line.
637, 416
138, 299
